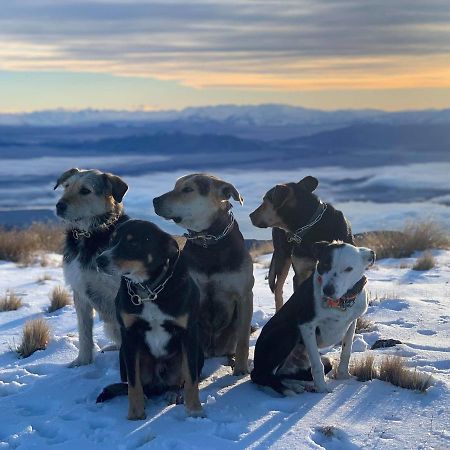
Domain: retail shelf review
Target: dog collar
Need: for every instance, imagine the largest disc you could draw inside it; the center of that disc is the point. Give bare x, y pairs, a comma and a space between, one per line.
78, 234
152, 292
348, 299
297, 235
205, 239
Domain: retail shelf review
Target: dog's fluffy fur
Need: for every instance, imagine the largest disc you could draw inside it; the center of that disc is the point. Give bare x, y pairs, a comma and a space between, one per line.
222, 268
286, 208
287, 354
91, 208
160, 348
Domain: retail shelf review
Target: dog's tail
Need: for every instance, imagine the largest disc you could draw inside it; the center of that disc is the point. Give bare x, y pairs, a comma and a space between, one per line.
276, 382
111, 391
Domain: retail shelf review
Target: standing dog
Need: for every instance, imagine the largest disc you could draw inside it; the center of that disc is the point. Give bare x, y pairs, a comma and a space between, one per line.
91, 208
320, 313
218, 262
157, 308
298, 218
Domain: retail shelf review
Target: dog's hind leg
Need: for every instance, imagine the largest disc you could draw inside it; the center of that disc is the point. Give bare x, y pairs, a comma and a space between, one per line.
342, 372
85, 323
111, 391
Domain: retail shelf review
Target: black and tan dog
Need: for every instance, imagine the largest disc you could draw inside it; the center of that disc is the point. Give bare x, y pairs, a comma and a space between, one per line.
298, 218
218, 262
91, 208
322, 312
157, 308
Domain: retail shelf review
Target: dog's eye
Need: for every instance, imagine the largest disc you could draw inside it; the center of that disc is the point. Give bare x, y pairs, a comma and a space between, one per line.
84, 191
187, 189
348, 269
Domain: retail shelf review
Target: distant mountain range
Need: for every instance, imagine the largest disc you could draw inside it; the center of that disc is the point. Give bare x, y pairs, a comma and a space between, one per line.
268, 115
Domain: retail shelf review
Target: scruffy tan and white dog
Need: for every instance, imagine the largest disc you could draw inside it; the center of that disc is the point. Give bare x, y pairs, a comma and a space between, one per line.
91, 208
217, 261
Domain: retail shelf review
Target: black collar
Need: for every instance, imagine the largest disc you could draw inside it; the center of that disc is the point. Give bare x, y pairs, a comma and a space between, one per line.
206, 238
349, 298
297, 235
151, 288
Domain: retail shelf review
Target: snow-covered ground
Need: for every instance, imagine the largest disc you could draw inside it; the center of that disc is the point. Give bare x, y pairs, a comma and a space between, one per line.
44, 404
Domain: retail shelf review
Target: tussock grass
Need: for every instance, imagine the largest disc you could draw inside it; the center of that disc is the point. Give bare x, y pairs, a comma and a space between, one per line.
43, 278
36, 336
59, 298
260, 248
402, 244
363, 324
10, 302
424, 262
21, 245
328, 431
363, 368
391, 369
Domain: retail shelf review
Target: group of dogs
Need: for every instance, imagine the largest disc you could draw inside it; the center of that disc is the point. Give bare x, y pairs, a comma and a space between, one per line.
167, 308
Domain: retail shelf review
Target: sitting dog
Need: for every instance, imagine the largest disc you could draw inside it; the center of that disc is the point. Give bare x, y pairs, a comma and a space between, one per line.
321, 312
218, 262
298, 218
91, 208
157, 308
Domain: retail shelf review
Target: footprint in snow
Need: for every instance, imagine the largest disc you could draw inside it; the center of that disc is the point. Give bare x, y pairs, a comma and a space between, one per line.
426, 332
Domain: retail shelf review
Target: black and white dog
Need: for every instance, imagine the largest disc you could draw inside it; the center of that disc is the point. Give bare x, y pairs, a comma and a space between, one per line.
218, 261
91, 208
322, 312
298, 218
157, 308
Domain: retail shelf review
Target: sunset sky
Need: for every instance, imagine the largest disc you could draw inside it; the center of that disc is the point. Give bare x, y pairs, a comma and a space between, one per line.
138, 54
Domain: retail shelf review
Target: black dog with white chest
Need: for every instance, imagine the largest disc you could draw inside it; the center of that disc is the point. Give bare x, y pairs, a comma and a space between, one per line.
322, 312
157, 309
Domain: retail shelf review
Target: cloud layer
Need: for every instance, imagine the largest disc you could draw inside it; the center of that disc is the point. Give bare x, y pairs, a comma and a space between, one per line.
267, 45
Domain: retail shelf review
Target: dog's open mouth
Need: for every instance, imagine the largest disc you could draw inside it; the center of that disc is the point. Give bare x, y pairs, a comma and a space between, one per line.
176, 219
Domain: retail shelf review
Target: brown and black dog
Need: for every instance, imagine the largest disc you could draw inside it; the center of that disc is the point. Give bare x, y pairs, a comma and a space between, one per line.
217, 260
298, 219
157, 308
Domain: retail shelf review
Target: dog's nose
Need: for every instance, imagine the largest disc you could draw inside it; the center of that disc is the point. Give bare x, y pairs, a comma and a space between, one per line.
156, 201
61, 207
328, 290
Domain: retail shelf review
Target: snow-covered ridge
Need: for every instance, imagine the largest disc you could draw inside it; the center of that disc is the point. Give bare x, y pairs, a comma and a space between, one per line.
43, 404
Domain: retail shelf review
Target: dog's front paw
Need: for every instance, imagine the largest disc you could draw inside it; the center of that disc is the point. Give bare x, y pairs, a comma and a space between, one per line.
322, 389
198, 412
174, 398
136, 413
343, 375
239, 371
81, 361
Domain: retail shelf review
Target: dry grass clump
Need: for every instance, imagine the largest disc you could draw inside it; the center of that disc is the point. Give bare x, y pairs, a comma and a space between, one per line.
59, 298
393, 370
10, 302
36, 336
328, 431
363, 324
260, 248
43, 278
402, 244
21, 245
363, 368
424, 262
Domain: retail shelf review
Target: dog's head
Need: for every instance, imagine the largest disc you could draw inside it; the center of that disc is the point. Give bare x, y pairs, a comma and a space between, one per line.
284, 204
138, 250
88, 195
196, 201
340, 266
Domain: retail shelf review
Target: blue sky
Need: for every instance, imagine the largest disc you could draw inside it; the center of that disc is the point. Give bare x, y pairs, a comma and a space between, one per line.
169, 54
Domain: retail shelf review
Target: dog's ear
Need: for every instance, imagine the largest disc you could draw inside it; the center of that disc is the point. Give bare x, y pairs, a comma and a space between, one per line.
116, 186
309, 183
368, 255
227, 190
279, 195
66, 175
318, 248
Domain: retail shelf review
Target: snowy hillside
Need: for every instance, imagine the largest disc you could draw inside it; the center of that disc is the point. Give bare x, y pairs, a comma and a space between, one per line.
43, 404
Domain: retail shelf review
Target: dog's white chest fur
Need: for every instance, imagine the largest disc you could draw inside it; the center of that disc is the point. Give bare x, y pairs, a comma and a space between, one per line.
157, 338
333, 322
